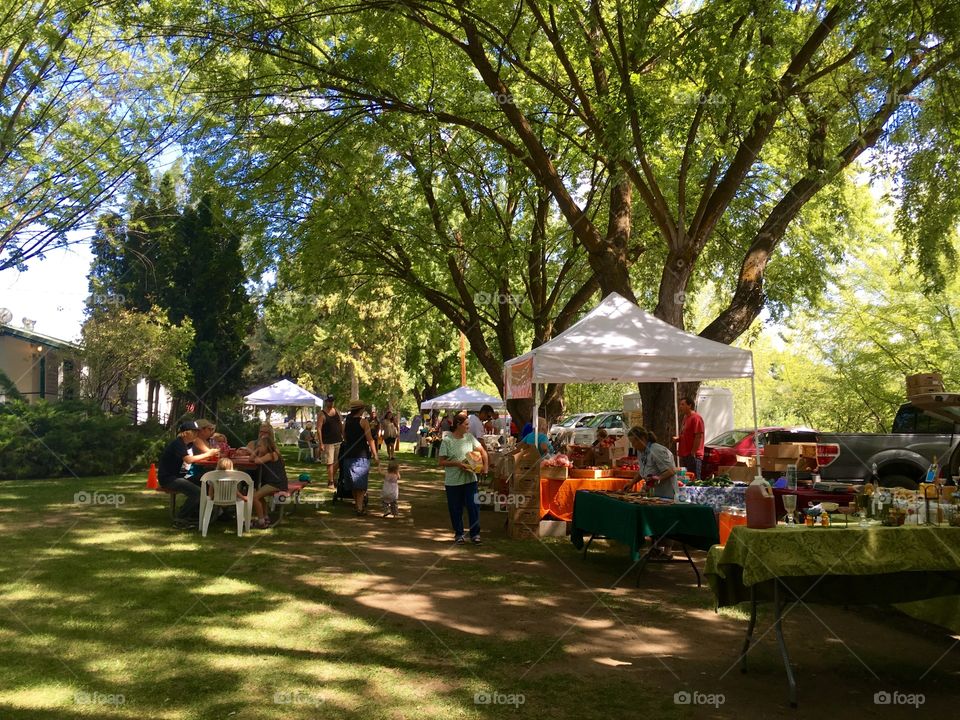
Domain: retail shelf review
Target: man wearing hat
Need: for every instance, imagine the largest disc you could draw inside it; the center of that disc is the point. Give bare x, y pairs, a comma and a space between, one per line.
331, 436
171, 469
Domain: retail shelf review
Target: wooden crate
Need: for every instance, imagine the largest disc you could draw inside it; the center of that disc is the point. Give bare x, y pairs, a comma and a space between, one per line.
594, 474
553, 472
523, 531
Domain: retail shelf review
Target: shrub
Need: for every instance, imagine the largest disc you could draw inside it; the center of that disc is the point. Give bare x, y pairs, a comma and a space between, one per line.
43, 440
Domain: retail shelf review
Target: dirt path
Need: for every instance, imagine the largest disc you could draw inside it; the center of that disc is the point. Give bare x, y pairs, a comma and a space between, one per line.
585, 617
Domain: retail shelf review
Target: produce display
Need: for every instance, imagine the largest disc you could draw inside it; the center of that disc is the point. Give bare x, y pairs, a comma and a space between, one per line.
715, 481
559, 460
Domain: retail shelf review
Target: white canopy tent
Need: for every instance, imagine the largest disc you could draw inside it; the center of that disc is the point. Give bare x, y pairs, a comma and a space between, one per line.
463, 398
619, 342
285, 394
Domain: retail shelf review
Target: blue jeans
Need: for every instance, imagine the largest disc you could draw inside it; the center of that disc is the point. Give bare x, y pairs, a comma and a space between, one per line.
190, 512
457, 497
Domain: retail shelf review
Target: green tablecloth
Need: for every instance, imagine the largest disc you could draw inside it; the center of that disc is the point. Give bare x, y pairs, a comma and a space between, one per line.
629, 523
849, 566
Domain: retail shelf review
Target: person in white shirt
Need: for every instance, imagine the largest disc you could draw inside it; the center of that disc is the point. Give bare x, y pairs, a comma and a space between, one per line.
476, 422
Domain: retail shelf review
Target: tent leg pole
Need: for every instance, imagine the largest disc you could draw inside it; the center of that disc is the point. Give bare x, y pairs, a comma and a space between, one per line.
676, 421
756, 425
536, 408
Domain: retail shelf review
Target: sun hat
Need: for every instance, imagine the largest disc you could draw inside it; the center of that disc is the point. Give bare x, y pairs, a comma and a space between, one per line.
357, 404
188, 425
204, 424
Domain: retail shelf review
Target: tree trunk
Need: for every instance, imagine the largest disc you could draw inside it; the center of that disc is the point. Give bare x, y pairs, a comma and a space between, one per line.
658, 408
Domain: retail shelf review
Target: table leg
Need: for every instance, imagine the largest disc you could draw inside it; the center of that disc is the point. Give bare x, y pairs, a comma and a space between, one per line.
778, 626
642, 563
686, 551
750, 626
587, 546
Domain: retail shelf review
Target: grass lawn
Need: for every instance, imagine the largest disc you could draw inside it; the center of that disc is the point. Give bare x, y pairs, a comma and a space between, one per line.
110, 613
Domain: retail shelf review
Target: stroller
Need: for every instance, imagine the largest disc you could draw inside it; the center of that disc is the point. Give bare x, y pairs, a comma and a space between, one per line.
344, 488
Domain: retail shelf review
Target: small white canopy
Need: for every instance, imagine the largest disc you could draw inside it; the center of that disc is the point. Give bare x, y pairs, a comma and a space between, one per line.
463, 398
283, 393
619, 342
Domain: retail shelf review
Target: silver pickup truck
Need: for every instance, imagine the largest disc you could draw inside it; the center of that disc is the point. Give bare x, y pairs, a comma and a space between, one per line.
902, 457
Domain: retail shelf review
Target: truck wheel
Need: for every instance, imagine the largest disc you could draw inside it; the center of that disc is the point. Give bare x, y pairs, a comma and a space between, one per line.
898, 481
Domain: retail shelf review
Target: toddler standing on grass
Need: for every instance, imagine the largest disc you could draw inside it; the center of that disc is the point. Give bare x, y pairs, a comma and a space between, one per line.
391, 489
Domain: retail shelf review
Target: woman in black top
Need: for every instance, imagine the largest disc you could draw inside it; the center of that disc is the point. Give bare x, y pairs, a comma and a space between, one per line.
358, 447
273, 477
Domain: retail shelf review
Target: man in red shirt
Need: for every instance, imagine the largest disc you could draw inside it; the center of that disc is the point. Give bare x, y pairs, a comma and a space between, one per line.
690, 442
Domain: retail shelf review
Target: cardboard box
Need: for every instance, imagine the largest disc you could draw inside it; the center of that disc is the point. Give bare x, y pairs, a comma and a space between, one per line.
553, 528
552, 472
782, 451
738, 473
523, 531
525, 515
925, 380
747, 461
768, 464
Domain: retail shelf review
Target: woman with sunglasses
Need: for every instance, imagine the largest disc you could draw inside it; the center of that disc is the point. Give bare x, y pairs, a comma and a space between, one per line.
460, 477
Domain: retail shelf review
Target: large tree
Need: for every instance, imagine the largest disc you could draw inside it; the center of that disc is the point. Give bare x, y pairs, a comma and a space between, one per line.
80, 106
724, 130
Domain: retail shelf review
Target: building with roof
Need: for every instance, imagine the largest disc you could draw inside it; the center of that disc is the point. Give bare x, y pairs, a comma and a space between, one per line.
39, 366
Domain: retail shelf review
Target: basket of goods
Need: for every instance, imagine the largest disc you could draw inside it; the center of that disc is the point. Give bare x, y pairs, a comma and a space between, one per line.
556, 467
626, 467
475, 460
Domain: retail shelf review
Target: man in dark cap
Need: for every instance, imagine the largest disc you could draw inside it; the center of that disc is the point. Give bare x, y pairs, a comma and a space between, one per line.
172, 468
331, 436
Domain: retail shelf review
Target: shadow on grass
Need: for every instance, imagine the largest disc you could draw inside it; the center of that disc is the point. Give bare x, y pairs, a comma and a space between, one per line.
333, 616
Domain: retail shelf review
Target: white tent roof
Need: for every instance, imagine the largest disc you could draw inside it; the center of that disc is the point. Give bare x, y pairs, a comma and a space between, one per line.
463, 398
619, 342
283, 393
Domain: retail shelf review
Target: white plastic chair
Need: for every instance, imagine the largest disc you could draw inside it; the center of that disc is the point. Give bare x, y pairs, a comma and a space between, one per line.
225, 485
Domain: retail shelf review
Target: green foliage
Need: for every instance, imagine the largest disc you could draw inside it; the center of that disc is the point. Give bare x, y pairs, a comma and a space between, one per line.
187, 263
121, 346
42, 440
8, 388
80, 107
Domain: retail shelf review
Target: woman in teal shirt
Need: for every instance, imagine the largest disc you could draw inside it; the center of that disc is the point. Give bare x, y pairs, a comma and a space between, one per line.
460, 479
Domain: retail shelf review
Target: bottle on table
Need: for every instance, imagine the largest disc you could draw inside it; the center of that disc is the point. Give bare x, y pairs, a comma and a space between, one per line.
761, 508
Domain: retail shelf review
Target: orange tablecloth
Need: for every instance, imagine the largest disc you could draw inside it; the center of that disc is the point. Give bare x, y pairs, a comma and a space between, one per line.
556, 496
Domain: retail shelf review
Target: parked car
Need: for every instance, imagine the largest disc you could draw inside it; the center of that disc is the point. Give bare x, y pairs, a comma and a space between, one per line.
561, 432
902, 456
612, 422
723, 449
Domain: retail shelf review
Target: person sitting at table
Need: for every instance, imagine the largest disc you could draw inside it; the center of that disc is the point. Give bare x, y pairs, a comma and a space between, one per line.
273, 476
266, 430
219, 440
309, 440
171, 475
200, 450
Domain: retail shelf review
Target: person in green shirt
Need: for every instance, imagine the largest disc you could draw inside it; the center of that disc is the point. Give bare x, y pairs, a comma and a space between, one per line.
460, 477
